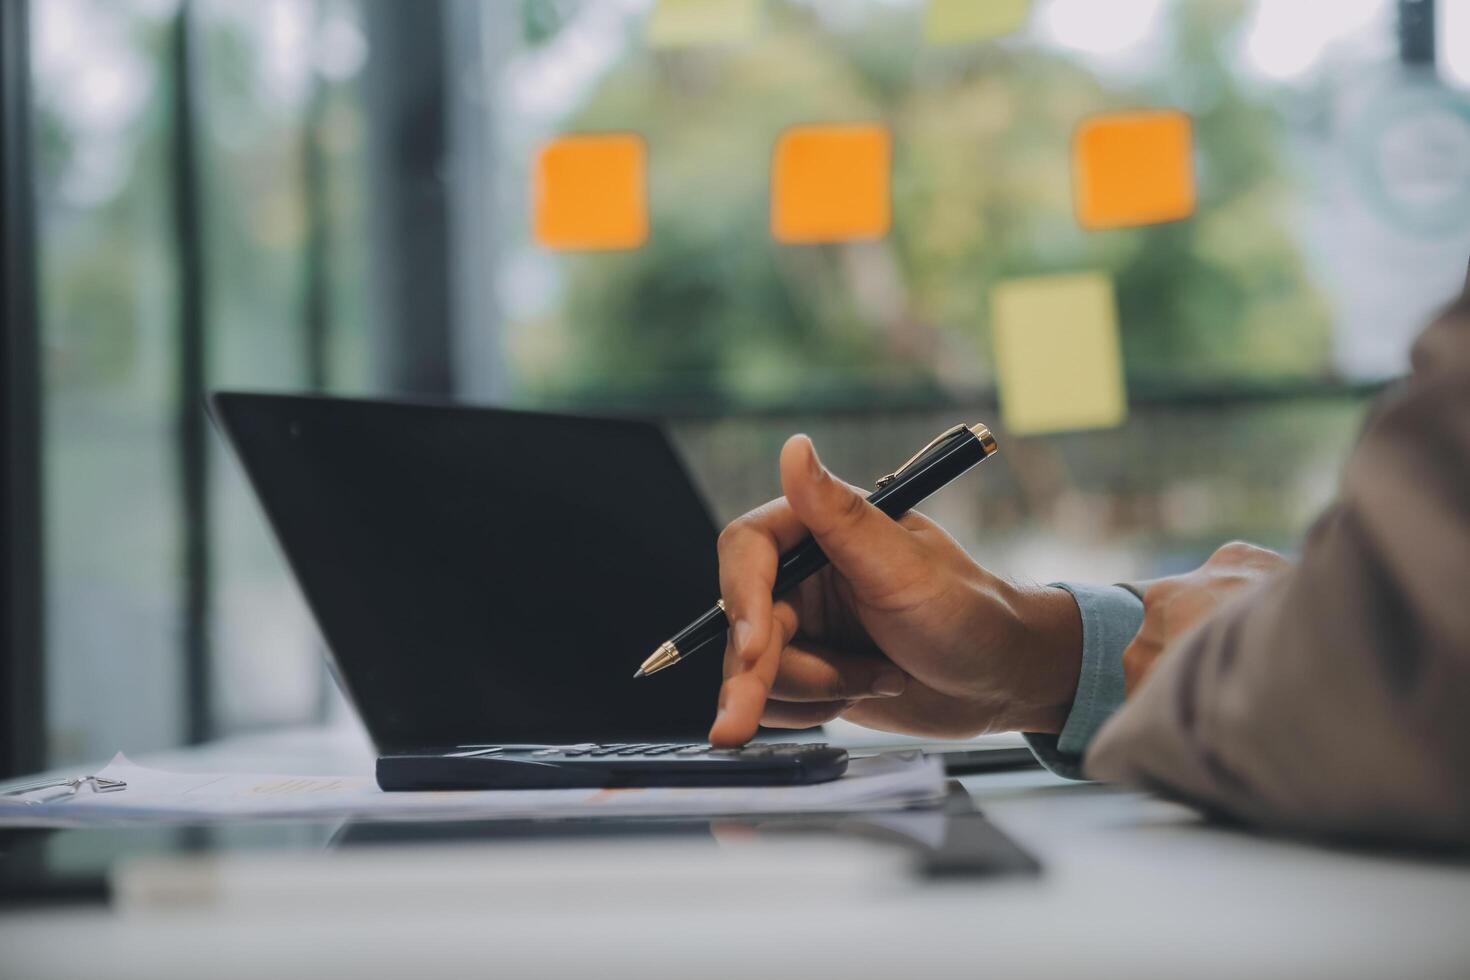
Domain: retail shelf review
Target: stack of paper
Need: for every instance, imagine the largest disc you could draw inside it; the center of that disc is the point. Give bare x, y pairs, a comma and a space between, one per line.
890, 781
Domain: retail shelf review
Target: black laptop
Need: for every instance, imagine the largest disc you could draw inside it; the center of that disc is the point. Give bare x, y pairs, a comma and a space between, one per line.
487, 581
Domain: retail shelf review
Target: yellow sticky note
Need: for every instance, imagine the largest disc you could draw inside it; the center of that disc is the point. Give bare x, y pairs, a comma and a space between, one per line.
968, 21
1058, 361
591, 193
702, 23
1133, 168
830, 183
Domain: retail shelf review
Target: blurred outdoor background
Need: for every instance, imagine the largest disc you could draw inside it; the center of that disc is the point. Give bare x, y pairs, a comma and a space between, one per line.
335, 195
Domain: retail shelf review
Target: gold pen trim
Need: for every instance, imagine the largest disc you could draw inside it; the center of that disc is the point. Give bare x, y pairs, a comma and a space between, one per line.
666, 655
987, 441
979, 430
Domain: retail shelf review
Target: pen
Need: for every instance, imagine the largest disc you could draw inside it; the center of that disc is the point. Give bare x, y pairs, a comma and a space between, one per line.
942, 461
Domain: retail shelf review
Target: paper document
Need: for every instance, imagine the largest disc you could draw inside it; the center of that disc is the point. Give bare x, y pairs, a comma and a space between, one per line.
857, 739
889, 781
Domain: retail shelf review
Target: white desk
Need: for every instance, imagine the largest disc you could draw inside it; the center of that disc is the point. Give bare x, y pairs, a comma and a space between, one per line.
1132, 888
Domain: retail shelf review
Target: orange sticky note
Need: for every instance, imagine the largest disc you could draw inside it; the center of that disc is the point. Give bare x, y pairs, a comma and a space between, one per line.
1133, 168
591, 193
829, 183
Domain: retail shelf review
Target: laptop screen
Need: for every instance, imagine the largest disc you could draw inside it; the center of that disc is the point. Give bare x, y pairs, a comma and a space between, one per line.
488, 576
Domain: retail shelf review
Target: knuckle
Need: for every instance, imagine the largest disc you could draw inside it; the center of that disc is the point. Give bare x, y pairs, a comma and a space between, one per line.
732, 533
851, 508
779, 715
1235, 551
786, 621
833, 687
1135, 658
801, 716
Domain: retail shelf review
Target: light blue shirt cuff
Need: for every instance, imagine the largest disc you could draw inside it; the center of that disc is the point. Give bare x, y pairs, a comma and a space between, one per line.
1111, 616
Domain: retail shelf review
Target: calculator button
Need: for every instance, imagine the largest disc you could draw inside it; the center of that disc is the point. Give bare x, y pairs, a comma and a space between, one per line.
692, 750
542, 753
576, 752
605, 750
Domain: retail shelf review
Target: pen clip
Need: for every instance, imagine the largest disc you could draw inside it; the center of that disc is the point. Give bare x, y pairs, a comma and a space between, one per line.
938, 440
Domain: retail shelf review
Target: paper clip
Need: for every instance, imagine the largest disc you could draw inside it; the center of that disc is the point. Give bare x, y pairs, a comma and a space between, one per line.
66, 787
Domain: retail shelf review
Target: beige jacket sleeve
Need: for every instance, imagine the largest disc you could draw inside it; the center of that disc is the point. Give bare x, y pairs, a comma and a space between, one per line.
1336, 700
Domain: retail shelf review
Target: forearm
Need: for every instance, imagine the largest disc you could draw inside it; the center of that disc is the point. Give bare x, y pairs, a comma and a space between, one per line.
1303, 706
1335, 700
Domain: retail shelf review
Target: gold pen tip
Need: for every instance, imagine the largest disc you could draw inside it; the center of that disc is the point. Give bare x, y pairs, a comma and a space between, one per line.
665, 656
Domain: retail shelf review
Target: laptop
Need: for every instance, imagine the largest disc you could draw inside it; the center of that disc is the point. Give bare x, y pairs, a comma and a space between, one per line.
487, 581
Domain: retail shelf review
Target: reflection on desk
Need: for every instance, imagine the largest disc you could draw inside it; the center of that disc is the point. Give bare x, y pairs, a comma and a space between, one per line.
1132, 887
146, 866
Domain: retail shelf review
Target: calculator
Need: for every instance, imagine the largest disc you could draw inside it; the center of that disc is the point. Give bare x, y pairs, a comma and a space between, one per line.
613, 764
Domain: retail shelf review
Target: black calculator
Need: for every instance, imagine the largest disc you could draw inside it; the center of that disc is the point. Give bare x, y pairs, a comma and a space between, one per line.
610, 765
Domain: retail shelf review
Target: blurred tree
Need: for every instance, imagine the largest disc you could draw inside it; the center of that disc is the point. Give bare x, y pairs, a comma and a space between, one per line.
713, 308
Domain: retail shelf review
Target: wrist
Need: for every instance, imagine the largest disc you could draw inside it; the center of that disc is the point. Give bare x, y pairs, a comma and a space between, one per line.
1047, 650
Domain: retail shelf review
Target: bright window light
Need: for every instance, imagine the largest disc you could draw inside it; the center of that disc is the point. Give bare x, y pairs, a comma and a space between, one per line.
1286, 38
1100, 27
1453, 37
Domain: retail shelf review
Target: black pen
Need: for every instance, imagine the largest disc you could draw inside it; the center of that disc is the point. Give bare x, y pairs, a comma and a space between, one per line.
949, 455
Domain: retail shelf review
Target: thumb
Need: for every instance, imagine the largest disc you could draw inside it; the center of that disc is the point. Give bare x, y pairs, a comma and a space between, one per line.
868, 547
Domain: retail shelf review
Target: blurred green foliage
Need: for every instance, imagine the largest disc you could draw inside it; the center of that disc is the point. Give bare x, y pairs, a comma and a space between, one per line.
713, 309
108, 261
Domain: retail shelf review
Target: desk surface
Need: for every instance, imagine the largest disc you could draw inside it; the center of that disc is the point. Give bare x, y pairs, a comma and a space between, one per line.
1132, 887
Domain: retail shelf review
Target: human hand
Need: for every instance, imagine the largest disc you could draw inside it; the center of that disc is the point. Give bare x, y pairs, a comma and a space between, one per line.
1172, 605
903, 631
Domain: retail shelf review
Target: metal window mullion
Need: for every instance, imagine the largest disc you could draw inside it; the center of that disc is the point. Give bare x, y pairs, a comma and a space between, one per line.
316, 258
22, 611
406, 91
192, 461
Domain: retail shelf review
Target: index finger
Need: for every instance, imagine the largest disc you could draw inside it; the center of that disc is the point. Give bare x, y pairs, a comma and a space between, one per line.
750, 549
743, 695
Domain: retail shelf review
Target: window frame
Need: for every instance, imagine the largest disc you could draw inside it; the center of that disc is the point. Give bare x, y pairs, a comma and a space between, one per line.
22, 679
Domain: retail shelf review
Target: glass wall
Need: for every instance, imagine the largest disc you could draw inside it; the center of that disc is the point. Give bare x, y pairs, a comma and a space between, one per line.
282, 152
279, 129
1331, 218
1322, 212
108, 355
